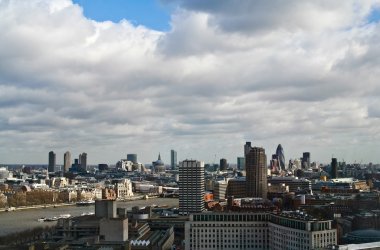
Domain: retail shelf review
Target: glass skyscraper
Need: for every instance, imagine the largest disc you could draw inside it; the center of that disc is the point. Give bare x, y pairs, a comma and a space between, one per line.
173, 159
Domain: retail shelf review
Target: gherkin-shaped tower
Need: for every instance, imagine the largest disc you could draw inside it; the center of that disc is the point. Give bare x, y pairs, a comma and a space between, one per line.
280, 156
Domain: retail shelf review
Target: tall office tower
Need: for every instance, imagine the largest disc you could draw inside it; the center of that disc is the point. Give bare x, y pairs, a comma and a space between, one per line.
241, 163
247, 147
83, 161
334, 168
274, 165
256, 172
191, 187
223, 164
173, 159
52, 162
132, 158
306, 160
280, 156
66, 161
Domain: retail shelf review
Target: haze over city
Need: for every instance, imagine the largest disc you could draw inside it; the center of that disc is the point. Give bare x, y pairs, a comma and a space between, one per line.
200, 77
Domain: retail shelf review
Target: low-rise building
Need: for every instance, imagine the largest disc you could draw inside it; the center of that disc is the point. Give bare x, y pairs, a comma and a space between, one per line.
227, 231
236, 187
220, 189
294, 230
291, 230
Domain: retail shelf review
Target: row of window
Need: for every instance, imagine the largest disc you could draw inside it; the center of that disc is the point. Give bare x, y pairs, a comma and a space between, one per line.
224, 225
230, 217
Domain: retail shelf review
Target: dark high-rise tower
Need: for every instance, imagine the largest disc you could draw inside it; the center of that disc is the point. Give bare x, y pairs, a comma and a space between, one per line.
132, 158
83, 161
306, 160
280, 156
173, 159
256, 171
223, 164
52, 162
334, 168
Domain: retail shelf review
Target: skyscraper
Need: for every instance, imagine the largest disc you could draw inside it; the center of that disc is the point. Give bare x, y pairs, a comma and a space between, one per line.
223, 164
66, 161
306, 160
274, 165
191, 187
83, 161
256, 171
52, 162
241, 163
173, 159
280, 157
132, 158
334, 168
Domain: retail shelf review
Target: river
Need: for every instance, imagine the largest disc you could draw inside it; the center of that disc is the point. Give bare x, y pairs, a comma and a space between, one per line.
20, 220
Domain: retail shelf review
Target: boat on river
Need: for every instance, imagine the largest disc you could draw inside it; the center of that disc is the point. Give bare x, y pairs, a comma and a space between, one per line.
54, 218
85, 203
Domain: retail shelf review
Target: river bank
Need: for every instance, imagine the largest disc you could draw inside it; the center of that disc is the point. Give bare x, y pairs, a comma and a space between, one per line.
38, 206
134, 198
19, 220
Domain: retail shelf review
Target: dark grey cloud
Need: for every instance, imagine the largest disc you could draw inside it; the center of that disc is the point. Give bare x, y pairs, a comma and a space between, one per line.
262, 16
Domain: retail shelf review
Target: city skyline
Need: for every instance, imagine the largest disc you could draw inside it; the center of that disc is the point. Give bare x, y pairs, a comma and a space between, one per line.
204, 80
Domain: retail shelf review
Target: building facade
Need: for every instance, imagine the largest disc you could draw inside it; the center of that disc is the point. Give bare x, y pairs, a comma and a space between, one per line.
173, 159
334, 168
306, 160
52, 162
292, 230
237, 187
191, 187
223, 165
256, 171
295, 184
220, 190
227, 231
132, 158
66, 161
280, 157
83, 162
241, 163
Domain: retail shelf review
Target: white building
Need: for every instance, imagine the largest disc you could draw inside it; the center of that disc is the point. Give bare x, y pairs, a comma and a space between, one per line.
4, 173
257, 231
123, 189
125, 165
292, 230
227, 231
59, 182
191, 187
220, 188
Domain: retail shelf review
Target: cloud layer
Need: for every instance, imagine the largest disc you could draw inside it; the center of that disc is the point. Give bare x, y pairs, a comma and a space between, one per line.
304, 74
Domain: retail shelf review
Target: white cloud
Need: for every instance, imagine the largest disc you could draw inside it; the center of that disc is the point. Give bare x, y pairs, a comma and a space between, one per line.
302, 74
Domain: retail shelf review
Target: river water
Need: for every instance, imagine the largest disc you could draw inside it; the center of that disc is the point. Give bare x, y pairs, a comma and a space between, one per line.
17, 221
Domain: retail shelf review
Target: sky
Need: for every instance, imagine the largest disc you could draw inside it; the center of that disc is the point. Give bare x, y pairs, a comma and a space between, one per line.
201, 77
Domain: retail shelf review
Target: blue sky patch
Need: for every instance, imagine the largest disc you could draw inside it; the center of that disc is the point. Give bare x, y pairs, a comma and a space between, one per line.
149, 13
374, 16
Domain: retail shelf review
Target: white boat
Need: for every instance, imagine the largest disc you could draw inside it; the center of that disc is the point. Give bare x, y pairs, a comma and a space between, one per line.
89, 213
41, 219
51, 219
85, 203
64, 216
9, 209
